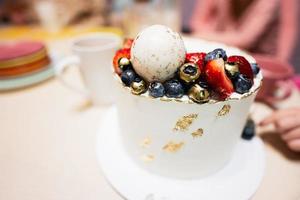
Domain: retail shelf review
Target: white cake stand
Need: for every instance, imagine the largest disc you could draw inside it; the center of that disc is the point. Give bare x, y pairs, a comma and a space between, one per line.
237, 181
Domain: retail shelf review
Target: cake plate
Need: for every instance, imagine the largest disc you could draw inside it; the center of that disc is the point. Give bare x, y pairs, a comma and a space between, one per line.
238, 180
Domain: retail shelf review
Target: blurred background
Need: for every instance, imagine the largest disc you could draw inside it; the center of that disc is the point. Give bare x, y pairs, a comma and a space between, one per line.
255, 25
48, 132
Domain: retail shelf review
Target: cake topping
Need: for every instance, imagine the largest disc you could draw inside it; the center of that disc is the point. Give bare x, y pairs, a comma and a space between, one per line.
157, 52
138, 86
217, 79
122, 53
198, 94
189, 72
174, 88
156, 64
244, 66
197, 58
215, 54
156, 89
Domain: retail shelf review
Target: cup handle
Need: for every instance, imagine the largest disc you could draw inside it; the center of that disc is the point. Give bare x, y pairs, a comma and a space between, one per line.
61, 66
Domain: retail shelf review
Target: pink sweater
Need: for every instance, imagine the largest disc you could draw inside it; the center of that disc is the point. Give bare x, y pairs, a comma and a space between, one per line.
259, 26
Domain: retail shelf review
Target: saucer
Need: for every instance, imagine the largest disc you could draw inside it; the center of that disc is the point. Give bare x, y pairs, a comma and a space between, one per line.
238, 180
32, 78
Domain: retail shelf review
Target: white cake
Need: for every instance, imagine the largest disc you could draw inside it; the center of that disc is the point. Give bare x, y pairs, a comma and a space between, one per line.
177, 137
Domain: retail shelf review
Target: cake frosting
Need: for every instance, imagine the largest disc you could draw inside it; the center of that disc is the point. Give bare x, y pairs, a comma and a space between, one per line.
173, 134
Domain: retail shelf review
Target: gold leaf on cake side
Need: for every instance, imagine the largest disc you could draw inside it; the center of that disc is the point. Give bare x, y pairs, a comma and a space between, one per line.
148, 157
145, 143
224, 110
185, 122
197, 133
173, 147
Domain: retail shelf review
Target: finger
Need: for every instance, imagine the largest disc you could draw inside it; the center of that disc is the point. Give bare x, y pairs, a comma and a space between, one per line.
277, 115
294, 145
287, 124
292, 134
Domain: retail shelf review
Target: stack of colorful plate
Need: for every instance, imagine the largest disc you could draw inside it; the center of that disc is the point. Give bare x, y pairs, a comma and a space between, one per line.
23, 64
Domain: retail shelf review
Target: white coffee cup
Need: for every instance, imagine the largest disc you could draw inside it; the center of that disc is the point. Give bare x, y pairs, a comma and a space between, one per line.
93, 54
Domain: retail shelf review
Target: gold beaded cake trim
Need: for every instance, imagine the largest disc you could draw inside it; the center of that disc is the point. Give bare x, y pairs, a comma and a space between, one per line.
185, 122
197, 133
173, 147
224, 110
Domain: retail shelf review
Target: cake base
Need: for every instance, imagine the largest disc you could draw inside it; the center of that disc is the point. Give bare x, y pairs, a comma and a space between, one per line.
238, 180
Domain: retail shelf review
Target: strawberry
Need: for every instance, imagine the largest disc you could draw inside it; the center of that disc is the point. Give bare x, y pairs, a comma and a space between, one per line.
196, 58
121, 53
244, 66
217, 79
127, 43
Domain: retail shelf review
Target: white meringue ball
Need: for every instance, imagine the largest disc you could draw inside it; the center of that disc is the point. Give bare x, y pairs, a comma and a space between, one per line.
157, 52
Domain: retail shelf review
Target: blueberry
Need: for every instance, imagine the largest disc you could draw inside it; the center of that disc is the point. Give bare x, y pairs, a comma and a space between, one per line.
242, 84
191, 70
174, 89
215, 54
156, 89
137, 79
249, 130
255, 68
203, 84
128, 77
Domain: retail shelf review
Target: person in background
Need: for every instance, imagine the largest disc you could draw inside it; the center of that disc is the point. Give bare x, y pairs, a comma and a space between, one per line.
261, 27
70, 11
287, 122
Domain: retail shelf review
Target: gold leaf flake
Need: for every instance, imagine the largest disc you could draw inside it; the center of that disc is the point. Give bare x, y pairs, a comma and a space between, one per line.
185, 122
148, 158
224, 110
146, 142
173, 147
197, 133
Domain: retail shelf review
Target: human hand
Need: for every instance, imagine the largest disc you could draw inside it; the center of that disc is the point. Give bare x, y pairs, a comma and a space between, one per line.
287, 123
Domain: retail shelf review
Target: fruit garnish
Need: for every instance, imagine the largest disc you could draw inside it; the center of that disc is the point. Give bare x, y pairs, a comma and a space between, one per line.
242, 84
196, 58
244, 65
138, 86
216, 54
249, 130
156, 89
198, 94
122, 53
203, 84
255, 68
127, 43
174, 89
217, 79
128, 76
189, 72
232, 70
